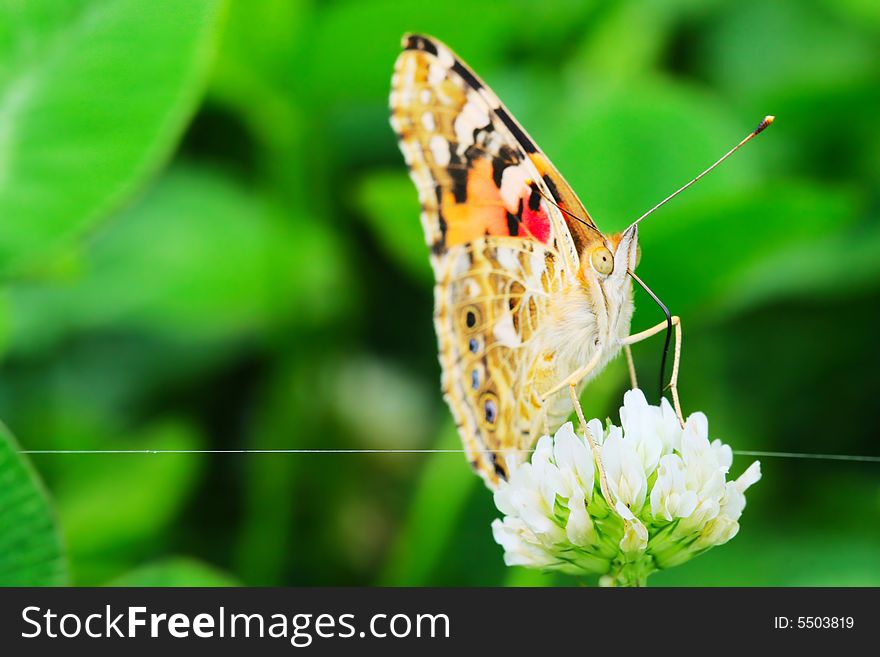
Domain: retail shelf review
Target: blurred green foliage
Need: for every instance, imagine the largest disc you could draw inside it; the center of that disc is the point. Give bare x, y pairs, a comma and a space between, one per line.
208, 240
31, 553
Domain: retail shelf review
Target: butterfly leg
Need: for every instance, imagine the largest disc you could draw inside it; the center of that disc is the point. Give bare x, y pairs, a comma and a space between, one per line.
631, 366
575, 377
603, 480
676, 358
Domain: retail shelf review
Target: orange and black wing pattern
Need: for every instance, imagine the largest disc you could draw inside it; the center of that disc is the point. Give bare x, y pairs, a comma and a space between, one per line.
500, 245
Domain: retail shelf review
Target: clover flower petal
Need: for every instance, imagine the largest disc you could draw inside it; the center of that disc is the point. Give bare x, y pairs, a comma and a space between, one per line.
624, 471
574, 460
670, 497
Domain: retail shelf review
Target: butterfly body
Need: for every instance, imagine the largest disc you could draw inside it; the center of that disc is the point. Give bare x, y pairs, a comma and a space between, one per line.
578, 326
525, 294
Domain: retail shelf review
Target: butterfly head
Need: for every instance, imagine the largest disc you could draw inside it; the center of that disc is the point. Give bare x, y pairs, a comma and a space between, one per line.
608, 257
604, 264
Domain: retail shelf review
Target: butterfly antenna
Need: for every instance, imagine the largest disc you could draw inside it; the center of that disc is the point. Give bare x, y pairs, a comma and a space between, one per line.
754, 133
562, 209
666, 312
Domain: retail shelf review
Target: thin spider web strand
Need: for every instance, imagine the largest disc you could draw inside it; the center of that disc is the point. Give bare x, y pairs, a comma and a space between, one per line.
819, 457
790, 455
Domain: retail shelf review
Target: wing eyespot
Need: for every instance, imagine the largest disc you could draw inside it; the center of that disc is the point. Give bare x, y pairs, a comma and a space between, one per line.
489, 406
471, 318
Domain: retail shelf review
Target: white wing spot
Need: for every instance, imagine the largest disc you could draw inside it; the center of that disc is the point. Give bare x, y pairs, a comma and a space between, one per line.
429, 224
445, 57
440, 150
513, 180
472, 287
508, 258
410, 152
461, 264
473, 115
537, 269
505, 333
409, 71
436, 73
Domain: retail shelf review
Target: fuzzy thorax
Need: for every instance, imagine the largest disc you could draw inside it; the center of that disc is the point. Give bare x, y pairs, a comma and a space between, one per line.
592, 315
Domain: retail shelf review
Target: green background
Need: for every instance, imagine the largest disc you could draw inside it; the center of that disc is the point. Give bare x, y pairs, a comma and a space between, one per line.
208, 240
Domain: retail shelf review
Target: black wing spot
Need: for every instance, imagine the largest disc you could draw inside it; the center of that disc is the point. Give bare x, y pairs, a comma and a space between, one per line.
496, 464
441, 222
470, 318
474, 151
459, 184
511, 155
506, 157
534, 198
416, 42
466, 75
498, 167
554, 190
459, 175
512, 224
516, 130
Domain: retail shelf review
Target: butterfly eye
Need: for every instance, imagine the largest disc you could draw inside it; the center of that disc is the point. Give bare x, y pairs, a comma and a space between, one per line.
602, 260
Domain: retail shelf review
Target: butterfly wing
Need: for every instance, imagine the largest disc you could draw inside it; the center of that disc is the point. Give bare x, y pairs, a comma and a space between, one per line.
499, 250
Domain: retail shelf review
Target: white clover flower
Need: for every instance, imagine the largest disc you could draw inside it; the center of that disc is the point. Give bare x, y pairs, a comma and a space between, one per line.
670, 497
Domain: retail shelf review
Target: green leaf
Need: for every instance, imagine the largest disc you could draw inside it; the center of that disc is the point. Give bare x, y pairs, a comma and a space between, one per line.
112, 505
437, 504
794, 558
198, 257
252, 72
257, 77
700, 257
389, 203
610, 48
360, 66
94, 95
758, 49
175, 571
825, 269
529, 578
31, 553
625, 147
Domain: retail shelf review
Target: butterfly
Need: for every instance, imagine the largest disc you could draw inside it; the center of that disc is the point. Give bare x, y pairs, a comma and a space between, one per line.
531, 297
